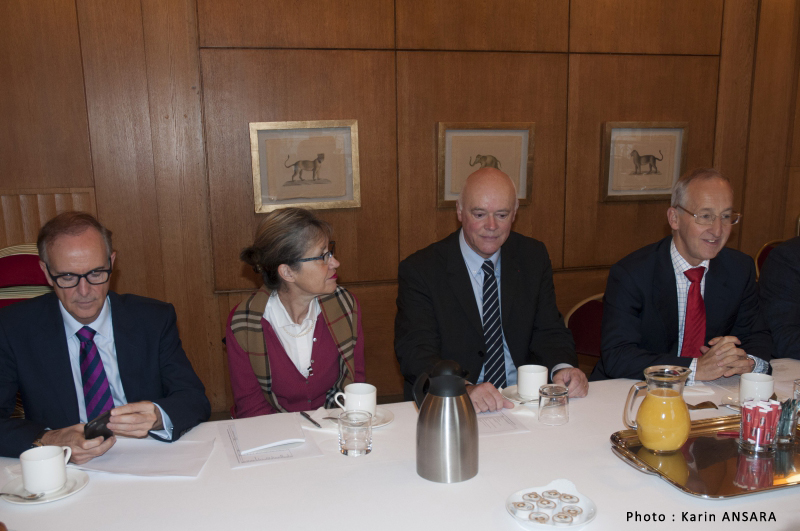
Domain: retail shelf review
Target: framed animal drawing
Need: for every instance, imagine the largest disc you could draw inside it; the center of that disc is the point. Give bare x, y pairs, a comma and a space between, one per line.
312, 164
464, 147
642, 160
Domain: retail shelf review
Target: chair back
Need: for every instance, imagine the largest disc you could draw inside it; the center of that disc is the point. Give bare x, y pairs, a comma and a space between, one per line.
585, 321
21, 278
762, 254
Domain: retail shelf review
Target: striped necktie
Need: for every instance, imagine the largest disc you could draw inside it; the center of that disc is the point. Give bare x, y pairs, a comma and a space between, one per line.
694, 328
96, 391
494, 368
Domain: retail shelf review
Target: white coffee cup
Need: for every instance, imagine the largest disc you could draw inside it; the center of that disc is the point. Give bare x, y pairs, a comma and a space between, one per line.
358, 397
44, 468
754, 386
529, 379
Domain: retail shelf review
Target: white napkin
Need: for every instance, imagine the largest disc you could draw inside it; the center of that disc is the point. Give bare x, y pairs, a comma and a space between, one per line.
698, 389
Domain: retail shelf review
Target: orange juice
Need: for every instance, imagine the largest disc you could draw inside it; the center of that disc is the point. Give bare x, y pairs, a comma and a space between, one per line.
663, 420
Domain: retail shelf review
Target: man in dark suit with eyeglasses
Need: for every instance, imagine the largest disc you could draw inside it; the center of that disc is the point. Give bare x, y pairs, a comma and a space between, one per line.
82, 351
686, 300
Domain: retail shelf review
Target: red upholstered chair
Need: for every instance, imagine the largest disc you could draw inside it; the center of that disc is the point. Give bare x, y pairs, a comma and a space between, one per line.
585, 322
762, 254
20, 275
20, 278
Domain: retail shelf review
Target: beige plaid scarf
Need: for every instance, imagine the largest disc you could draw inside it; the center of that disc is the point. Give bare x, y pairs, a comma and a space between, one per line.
341, 316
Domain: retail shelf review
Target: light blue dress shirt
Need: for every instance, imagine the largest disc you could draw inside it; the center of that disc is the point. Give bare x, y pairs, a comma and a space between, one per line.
474, 263
104, 340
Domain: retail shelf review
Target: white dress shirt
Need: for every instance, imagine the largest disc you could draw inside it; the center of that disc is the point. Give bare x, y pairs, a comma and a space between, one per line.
680, 265
104, 340
297, 339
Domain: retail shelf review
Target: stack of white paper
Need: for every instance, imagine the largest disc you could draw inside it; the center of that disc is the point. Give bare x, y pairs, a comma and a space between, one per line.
257, 433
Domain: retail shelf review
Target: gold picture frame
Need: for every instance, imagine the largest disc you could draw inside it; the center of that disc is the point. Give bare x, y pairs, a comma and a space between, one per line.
490, 144
306, 164
631, 170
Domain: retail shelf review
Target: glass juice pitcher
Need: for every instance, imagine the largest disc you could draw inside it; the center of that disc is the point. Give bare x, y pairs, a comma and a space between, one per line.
662, 422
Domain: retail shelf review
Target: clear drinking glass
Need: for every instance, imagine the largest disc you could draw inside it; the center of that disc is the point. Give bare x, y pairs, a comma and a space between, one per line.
553, 405
355, 433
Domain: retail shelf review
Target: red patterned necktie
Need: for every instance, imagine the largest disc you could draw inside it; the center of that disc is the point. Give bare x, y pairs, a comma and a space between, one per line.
96, 391
694, 329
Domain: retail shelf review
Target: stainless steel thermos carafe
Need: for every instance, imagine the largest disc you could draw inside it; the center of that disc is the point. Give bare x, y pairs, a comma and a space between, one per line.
447, 427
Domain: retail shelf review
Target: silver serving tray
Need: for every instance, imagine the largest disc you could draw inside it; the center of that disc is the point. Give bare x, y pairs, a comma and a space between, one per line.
710, 464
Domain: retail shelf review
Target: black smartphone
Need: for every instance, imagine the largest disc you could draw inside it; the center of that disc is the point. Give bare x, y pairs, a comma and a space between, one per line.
98, 427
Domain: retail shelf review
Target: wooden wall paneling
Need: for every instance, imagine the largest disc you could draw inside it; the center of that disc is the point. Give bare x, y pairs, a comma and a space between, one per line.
479, 87
733, 99
306, 24
44, 136
792, 203
794, 161
378, 309
242, 86
119, 124
606, 88
227, 302
173, 73
645, 26
25, 211
573, 286
793, 184
774, 91
518, 25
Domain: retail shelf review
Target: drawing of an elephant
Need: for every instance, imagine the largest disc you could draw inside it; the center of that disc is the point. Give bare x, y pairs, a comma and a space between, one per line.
486, 161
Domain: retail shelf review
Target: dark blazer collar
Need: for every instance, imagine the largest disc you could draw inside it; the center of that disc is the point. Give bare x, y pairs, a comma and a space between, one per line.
716, 296
460, 283
665, 290
126, 339
56, 350
458, 279
510, 277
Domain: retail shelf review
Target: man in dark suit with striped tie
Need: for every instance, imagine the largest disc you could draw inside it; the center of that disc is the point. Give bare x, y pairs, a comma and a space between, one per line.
483, 297
82, 351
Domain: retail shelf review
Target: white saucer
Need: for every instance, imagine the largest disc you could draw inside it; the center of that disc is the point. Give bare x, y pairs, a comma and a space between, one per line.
561, 485
382, 416
76, 480
511, 394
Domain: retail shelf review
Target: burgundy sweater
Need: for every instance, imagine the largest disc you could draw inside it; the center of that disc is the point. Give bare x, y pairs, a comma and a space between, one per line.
294, 391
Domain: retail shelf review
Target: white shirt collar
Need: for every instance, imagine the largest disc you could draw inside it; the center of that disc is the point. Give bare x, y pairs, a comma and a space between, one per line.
679, 263
102, 325
276, 314
473, 260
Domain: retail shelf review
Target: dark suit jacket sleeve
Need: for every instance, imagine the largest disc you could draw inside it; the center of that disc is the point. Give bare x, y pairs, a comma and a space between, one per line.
779, 287
16, 435
417, 341
750, 327
184, 398
623, 328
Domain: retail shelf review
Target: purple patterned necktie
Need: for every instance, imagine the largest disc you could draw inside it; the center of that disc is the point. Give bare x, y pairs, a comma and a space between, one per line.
96, 391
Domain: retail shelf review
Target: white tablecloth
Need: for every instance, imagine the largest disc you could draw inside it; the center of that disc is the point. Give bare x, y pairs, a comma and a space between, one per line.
383, 491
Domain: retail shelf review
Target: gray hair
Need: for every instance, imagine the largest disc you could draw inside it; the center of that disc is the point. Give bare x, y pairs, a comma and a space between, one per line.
282, 238
679, 190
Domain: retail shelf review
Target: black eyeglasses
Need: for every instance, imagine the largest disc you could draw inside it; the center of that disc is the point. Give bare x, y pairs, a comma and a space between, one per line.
70, 280
728, 218
325, 257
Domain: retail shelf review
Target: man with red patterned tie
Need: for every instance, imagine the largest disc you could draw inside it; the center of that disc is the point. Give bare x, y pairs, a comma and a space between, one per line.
82, 351
686, 300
